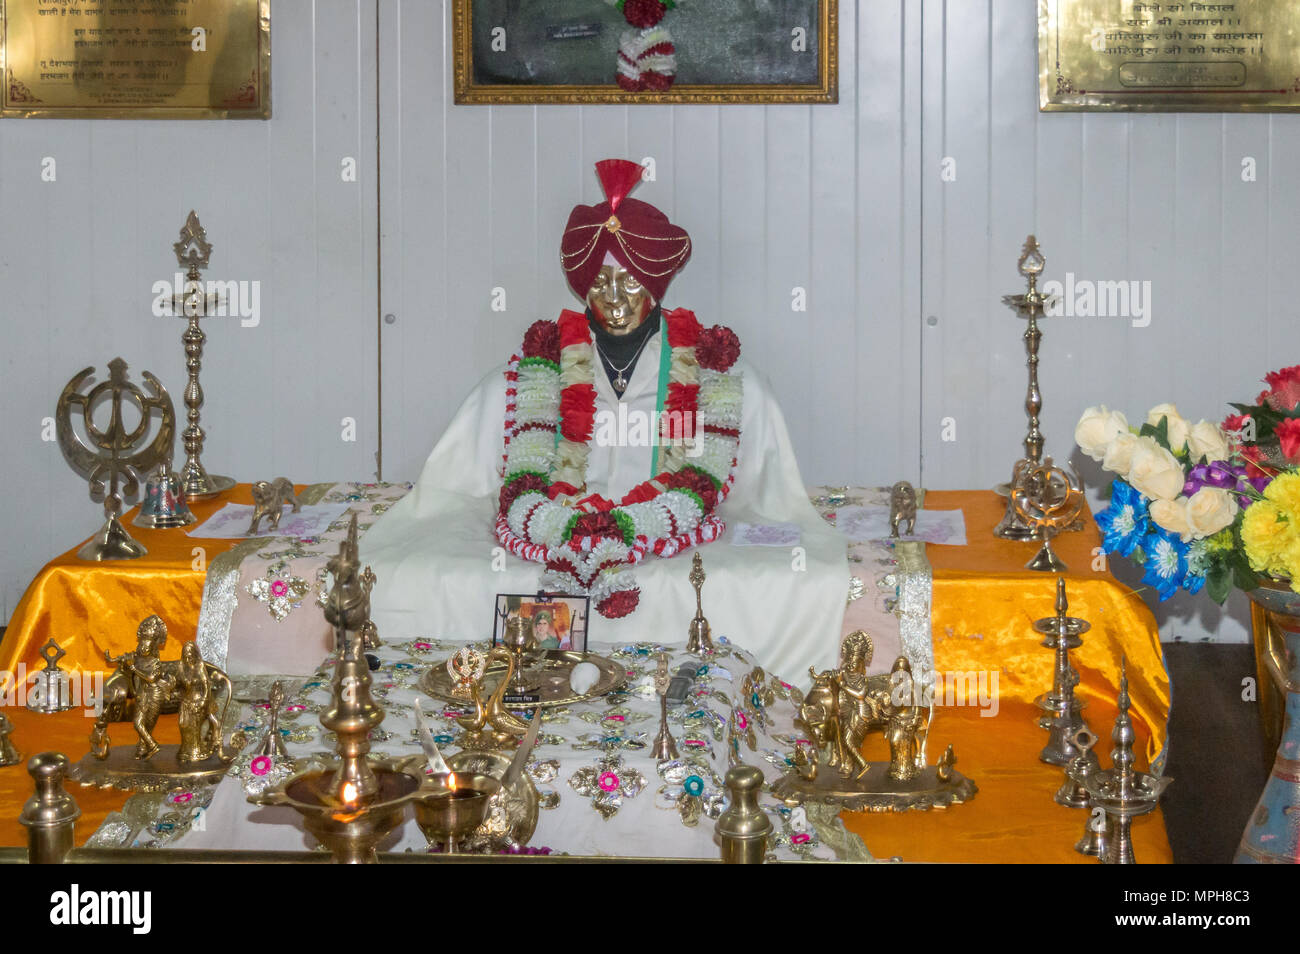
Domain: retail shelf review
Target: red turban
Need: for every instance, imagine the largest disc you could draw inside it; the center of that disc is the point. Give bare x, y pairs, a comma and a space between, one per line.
635, 233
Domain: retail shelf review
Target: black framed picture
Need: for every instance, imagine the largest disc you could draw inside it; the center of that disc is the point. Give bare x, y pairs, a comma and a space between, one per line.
559, 621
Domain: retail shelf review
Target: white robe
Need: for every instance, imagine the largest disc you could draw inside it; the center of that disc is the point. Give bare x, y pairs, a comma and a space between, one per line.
439, 564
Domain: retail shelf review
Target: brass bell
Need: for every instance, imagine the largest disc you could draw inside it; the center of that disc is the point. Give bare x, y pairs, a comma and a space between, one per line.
164, 503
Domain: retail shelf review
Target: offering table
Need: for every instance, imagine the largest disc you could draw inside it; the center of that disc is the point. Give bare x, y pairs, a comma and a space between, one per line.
982, 608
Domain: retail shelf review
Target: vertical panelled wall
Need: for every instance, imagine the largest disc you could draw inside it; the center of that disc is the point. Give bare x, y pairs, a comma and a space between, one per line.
779, 198
1146, 198
81, 249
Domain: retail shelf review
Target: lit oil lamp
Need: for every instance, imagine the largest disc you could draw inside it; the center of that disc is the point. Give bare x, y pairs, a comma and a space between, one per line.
452, 806
351, 808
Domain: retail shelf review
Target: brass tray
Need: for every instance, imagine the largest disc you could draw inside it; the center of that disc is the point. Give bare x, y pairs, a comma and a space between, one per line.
548, 672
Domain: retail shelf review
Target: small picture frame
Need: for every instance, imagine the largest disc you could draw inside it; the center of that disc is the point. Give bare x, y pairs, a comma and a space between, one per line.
559, 620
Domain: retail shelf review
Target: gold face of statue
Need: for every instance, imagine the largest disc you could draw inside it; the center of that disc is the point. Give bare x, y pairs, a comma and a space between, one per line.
618, 300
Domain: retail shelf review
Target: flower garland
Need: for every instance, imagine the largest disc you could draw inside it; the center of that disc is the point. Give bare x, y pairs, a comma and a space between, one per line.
647, 56
588, 543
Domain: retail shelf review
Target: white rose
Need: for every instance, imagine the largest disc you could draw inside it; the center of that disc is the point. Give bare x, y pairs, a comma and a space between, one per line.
1178, 426
1210, 510
1097, 428
1119, 456
1207, 440
1172, 516
1155, 472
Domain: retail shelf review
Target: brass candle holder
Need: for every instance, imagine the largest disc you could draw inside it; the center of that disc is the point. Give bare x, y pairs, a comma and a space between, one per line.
193, 250
1122, 793
518, 637
664, 747
1061, 707
1030, 306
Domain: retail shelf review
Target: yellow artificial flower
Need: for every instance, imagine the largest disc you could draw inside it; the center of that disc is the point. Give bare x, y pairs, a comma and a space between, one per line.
1267, 536
1284, 491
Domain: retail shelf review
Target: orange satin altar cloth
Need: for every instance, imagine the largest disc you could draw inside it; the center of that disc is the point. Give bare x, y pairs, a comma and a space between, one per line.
983, 607
985, 603
1012, 818
90, 608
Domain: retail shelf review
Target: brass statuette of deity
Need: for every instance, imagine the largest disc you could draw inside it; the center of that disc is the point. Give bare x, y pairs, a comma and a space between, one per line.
842, 709
142, 688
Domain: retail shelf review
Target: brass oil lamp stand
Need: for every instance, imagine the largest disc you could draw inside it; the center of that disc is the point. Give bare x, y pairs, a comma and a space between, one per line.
193, 251
1122, 793
353, 806
1030, 306
1061, 708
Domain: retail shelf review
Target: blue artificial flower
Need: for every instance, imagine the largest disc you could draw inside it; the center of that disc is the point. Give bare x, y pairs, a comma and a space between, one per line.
1126, 521
1166, 562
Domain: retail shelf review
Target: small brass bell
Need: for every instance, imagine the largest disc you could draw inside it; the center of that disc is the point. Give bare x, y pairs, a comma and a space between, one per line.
164, 503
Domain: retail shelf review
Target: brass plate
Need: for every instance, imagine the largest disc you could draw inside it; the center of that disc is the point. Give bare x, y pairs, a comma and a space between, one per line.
876, 791
550, 675
135, 59
1162, 56
162, 773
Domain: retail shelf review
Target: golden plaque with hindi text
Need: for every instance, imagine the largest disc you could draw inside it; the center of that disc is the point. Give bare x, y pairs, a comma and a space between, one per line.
135, 59
1180, 56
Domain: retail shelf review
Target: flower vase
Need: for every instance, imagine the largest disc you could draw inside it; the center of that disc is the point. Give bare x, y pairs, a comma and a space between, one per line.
1271, 835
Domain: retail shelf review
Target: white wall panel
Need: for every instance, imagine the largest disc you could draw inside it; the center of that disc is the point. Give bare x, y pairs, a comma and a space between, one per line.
79, 256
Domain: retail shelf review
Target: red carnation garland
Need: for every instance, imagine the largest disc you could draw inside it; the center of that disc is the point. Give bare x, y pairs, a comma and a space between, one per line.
598, 519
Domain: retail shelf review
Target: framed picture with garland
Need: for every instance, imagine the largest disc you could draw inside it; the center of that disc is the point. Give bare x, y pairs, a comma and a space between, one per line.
645, 51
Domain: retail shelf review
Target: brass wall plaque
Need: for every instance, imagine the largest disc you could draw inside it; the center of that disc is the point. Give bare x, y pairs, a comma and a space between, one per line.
1179, 56
135, 59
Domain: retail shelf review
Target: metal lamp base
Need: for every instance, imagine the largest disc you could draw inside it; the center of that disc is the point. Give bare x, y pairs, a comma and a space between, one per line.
112, 542
201, 485
1046, 560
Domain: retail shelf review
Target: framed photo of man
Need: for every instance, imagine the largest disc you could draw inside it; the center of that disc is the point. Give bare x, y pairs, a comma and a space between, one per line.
559, 622
645, 51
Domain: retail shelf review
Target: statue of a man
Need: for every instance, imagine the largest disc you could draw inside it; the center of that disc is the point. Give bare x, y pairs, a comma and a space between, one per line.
151, 682
621, 435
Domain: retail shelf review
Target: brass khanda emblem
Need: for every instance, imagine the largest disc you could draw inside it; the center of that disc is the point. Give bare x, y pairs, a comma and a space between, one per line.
112, 457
